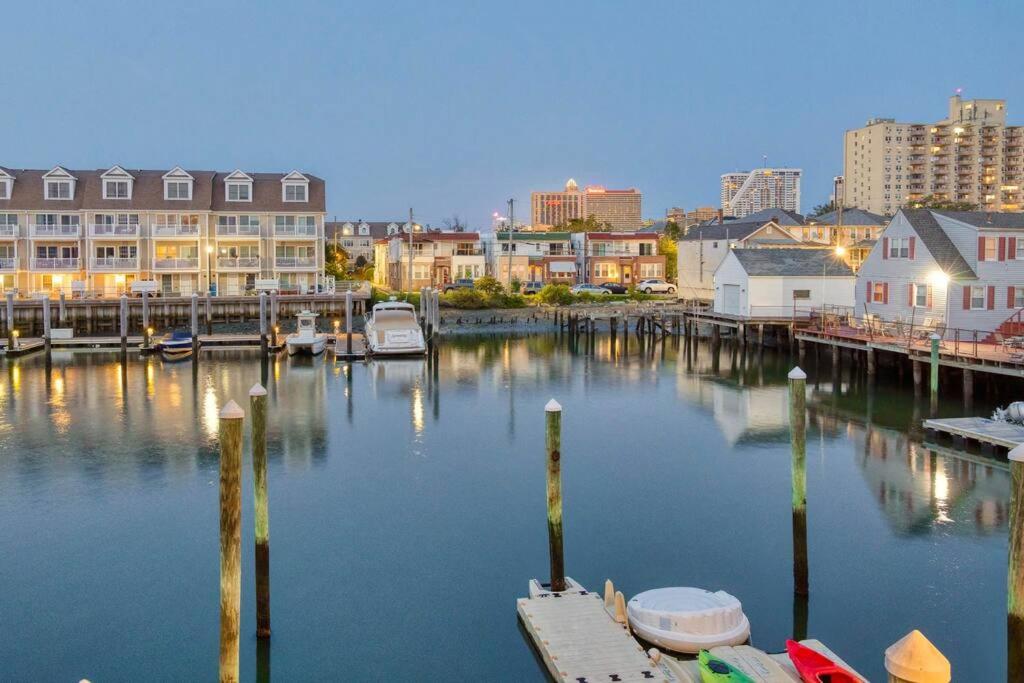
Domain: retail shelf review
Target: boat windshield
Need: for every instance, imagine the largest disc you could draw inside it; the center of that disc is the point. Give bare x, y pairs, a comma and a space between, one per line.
394, 320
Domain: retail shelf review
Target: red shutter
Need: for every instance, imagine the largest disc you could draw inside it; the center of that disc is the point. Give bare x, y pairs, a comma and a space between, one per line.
1010, 296
1011, 252
981, 248
991, 297
912, 240
870, 292
885, 248
910, 294
928, 302
967, 297
885, 292
1002, 248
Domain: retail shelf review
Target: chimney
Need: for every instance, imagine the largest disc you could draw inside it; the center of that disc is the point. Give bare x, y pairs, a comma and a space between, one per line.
721, 217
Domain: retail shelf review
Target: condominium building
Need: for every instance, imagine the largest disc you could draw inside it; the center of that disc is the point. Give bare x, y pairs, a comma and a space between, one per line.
685, 219
746, 192
969, 156
95, 232
621, 209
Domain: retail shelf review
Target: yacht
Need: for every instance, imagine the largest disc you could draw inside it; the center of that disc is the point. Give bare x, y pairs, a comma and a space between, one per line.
306, 340
392, 330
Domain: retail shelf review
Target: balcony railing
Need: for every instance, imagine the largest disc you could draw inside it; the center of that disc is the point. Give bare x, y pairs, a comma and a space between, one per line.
238, 230
175, 263
8, 230
56, 263
8, 264
175, 230
114, 263
238, 261
48, 230
469, 252
295, 231
295, 261
114, 230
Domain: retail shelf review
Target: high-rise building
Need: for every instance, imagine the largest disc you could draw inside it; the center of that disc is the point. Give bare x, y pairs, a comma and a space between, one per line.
619, 208
684, 218
969, 156
746, 192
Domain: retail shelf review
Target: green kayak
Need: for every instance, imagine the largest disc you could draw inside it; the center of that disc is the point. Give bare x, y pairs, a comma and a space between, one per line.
715, 670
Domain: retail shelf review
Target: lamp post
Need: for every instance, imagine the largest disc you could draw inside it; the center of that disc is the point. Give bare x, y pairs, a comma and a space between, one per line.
209, 268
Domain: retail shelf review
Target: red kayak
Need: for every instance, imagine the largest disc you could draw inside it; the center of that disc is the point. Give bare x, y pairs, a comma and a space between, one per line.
815, 667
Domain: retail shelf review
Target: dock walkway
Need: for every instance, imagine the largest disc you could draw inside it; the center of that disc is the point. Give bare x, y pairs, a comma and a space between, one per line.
981, 429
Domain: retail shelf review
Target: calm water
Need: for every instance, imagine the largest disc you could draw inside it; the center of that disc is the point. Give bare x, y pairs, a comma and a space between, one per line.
407, 510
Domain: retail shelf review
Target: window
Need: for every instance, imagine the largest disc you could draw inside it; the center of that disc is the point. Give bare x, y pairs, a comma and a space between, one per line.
295, 192
177, 189
920, 299
649, 270
606, 270
5, 189
8, 224
977, 297
991, 252
239, 192
58, 189
646, 249
878, 293
115, 189
504, 247
801, 294
420, 271
899, 247
1018, 297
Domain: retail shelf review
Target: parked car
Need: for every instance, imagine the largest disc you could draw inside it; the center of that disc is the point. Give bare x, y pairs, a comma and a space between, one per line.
530, 288
615, 287
462, 283
656, 286
587, 288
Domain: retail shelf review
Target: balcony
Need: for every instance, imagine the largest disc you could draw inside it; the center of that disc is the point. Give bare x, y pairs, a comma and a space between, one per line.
469, 252
114, 263
294, 231
175, 230
114, 230
8, 264
56, 231
295, 262
176, 264
56, 264
8, 230
239, 231
238, 262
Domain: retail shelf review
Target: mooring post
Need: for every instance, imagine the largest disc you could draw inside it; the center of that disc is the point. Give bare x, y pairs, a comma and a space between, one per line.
195, 324
62, 313
1015, 569
798, 443
46, 326
913, 659
230, 429
263, 324
428, 313
968, 388
209, 313
273, 310
10, 319
870, 353
124, 324
258, 407
553, 443
348, 322
934, 383
918, 373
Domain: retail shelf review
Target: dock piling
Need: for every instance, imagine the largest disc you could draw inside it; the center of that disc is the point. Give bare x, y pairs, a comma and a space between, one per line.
46, 326
10, 319
230, 429
553, 444
273, 311
918, 373
145, 312
934, 383
258, 406
195, 324
209, 314
870, 353
798, 442
124, 324
62, 312
1015, 569
263, 324
348, 322
913, 659
968, 388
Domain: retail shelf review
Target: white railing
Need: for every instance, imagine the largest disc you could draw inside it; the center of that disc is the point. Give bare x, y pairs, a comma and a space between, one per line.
47, 230
56, 264
114, 230
238, 261
175, 230
295, 231
295, 261
238, 230
114, 263
8, 230
175, 263
8, 264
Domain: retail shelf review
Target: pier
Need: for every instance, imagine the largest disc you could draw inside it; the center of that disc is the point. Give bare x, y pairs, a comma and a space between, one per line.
979, 430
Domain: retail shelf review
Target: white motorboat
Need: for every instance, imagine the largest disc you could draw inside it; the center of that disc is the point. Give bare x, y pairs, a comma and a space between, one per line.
306, 340
392, 330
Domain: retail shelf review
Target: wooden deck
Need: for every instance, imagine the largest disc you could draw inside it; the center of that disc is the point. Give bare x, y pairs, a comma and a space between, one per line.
981, 429
358, 347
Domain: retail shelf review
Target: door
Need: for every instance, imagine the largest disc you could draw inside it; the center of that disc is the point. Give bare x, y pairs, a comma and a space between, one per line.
627, 275
731, 299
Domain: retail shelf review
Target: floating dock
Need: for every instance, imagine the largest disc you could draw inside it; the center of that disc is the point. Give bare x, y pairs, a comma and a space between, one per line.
358, 351
980, 429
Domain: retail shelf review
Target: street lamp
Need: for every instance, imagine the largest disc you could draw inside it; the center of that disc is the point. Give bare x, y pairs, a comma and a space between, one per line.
209, 268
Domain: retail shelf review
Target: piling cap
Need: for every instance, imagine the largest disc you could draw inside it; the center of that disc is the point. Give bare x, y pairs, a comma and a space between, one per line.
553, 407
934, 336
914, 658
231, 411
797, 373
257, 390
1017, 454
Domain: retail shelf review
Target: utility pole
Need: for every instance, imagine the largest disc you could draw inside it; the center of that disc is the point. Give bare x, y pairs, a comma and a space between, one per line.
410, 248
511, 223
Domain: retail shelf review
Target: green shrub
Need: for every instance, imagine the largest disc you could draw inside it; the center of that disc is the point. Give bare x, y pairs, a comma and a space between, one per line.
488, 285
555, 295
517, 285
465, 298
635, 294
507, 301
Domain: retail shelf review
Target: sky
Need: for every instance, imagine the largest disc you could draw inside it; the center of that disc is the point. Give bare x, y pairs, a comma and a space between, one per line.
455, 107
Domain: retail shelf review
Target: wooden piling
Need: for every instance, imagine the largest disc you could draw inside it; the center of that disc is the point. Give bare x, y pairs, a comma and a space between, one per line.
264, 347
348, 322
934, 383
798, 444
968, 388
1015, 569
62, 312
553, 443
11, 326
124, 324
258, 407
913, 659
145, 311
46, 327
230, 429
918, 373
195, 325
870, 353
209, 313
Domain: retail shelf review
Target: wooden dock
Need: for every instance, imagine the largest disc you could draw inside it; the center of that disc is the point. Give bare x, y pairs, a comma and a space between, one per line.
761, 667
979, 429
341, 351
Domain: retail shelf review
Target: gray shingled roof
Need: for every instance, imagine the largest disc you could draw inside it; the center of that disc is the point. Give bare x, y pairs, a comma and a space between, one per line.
987, 219
938, 243
792, 262
378, 229
734, 230
780, 216
851, 216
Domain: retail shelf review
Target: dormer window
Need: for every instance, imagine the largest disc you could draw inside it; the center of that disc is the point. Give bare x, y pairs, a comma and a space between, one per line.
346, 229
238, 187
116, 189
178, 185
295, 187
364, 229
58, 189
5, 188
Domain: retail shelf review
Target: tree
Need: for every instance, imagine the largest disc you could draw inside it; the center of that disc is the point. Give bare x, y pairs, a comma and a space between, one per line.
588, 224
360, 261
667, 247
930, 201
335, 260
488, 285
673, 230
454, 224
822, 209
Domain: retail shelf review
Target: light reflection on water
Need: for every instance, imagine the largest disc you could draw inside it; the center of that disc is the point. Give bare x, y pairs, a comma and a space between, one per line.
676, 471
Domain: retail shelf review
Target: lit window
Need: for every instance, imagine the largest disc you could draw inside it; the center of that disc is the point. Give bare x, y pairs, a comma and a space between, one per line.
878, 293
991, 244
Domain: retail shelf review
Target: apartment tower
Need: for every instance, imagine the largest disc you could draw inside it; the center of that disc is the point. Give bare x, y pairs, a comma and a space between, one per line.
619, 208
747, 192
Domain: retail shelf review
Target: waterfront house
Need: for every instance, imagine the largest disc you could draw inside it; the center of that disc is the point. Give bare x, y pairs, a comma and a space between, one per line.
855, 230
532, 256
961, 269
622, 257
357, 238
437, 258
774, 283
96, 232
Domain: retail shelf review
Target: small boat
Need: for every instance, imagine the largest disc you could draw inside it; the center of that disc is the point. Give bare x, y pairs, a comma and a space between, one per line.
175, 341
306, 340
716, 670
392, 330
176, 354
815, 667
684, 619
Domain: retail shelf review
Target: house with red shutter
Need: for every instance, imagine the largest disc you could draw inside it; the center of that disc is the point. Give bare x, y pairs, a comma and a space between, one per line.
961, 269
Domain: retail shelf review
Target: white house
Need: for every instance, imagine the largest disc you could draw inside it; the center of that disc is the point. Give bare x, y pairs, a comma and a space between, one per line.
769, 283
963, 269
